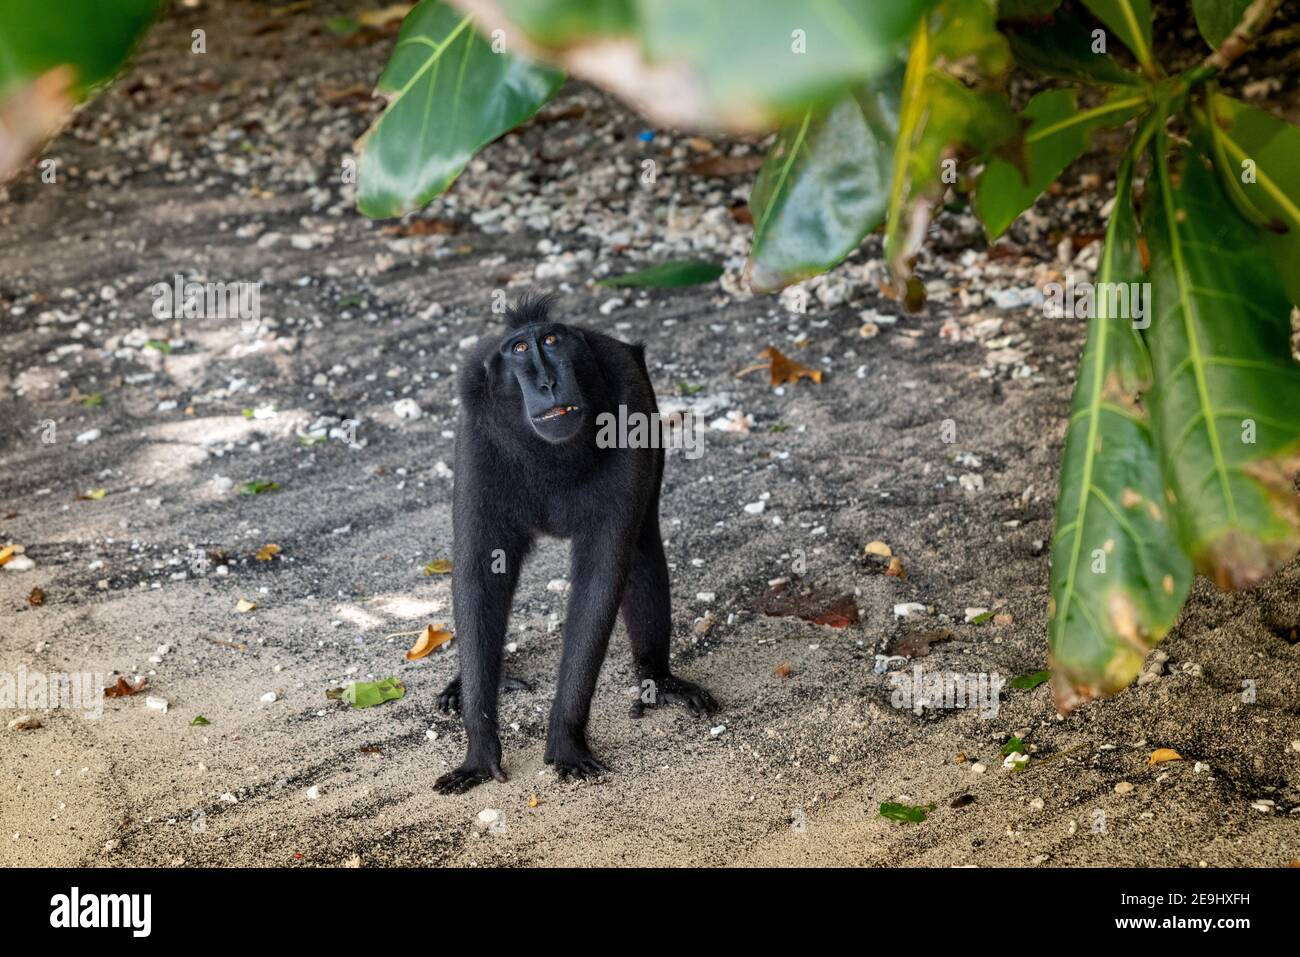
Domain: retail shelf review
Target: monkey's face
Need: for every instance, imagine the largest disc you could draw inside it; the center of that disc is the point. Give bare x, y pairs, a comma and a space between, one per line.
546, 359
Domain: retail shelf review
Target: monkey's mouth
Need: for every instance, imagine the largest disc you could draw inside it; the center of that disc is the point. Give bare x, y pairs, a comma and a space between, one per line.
554, 412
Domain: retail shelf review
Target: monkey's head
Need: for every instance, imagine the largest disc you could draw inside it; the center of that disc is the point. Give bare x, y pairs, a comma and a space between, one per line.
548, 362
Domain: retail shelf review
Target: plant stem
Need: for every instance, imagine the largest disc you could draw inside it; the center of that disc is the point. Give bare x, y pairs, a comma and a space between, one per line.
1240, 39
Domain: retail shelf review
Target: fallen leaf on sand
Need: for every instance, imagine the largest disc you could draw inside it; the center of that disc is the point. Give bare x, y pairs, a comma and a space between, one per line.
94, 495
533, 801
821, 606
6, 554
25, 723
439, 566
1161, 755
123, 688
244, 605
367, 694
726, 165
433, 637
200, 720
37, 597
784, 370
877, 548
896, 569
917, 644
782, 670
905, 813
267, 552
377, 18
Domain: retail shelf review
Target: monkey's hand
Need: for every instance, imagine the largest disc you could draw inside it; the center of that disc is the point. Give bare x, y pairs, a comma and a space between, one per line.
470, 774
673, 690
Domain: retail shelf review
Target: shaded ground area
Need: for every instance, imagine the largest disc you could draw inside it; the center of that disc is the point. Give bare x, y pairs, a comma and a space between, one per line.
231, 167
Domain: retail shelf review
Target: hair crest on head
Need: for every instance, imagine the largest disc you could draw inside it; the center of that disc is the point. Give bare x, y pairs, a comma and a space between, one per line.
532, 307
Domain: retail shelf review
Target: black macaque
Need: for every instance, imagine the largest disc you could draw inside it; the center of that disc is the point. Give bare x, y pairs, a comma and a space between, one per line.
528, 464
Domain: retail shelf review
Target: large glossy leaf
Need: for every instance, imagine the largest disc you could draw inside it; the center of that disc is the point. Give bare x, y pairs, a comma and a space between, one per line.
823, 186
558, 23
939, 114
1118, 575
93, 37
51, 58
449, 96
1131, 22
669, 275
1063, 47
731, 64
1218, 18
1270, 150
1057, 135
1227, 392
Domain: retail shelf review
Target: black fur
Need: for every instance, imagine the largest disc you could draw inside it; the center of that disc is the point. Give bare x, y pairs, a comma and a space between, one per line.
520, 474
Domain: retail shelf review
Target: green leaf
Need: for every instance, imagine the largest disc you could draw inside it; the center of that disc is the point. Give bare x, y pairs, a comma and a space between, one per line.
94, 400
1063, 48
1224, 406
559, 23
1029, 682
1013, 746
940, 113
1218, 18
367, 694
1131, 21
158, 345
449, 96
258, 486
200, 720
91, 36
823, 186
1058, 134
1118, 575
742, 57
905, 813
684, 272
343, 26
1270, 150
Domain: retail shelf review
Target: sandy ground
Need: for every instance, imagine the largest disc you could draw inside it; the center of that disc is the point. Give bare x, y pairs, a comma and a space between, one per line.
228, 167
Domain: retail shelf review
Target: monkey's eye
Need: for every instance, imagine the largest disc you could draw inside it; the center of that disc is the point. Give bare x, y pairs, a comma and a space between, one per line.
550, 340
521, 347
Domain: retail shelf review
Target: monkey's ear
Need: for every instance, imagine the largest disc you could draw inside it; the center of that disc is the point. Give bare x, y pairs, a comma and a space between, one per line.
492, 369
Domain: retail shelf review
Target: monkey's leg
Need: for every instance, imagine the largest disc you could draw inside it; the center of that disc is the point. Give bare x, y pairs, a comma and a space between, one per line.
647, 616
482, 590
598, 570
449, 698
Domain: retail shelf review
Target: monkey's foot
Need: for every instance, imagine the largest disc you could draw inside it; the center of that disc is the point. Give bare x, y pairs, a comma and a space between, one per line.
574, 761
449, 697
674, 690
468, 775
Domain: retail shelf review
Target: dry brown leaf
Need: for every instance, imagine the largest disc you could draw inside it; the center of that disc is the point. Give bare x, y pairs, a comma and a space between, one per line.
878, 548
423, 227
782, 670
433, 637
6, 554
37, 596
267, 552
726, 165
384, 15
1161, 755
896, 569
123, 688
786, 371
